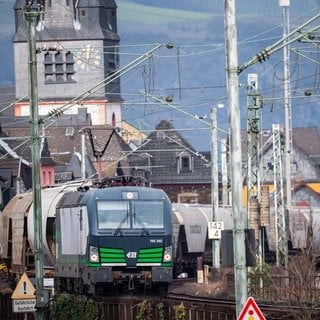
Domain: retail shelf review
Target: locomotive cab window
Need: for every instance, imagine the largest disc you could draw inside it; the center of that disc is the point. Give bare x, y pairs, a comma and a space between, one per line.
148, 214
113, 214
130, 214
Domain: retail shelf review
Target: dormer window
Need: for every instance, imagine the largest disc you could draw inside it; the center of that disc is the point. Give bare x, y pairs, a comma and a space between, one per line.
160, 135
185, 162
113, 121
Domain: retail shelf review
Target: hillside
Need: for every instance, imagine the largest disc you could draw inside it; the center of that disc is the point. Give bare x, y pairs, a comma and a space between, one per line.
256, 8
6, 51
194, 71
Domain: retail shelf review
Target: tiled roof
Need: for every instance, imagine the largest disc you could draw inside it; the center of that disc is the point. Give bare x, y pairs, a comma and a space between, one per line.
59, 23
305, 139
45, 154
161, 154
63, 143
131, 133
74, 166
7, 96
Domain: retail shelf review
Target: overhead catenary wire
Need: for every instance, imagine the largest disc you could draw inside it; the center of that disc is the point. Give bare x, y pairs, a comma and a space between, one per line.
201, 49
57, 112
159, 100
265, 53
207, 87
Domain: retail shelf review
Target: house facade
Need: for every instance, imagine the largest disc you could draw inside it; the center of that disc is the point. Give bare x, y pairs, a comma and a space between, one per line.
305, 164
169, 162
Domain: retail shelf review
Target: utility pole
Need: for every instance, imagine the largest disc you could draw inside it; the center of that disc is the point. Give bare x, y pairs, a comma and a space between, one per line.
240, 269
214, 188
31, 13
287, 104
282, 216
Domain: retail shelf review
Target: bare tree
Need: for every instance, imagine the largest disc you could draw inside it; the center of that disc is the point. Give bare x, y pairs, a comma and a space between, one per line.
304, 281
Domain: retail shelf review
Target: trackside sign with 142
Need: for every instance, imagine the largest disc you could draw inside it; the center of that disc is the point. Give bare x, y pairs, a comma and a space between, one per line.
214, 229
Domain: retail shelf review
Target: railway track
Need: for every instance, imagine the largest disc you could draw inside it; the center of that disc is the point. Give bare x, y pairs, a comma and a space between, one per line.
123, 306
156, 307
195, 307
129, 307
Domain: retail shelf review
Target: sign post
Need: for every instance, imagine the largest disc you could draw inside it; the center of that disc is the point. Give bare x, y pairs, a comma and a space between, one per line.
214, 229
23, 297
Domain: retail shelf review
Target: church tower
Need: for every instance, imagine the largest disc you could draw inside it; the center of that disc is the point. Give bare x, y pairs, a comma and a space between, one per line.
77, 44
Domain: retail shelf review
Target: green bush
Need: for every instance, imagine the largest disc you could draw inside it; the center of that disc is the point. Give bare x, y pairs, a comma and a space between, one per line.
160, 308
180, 311
145, 311
69, 307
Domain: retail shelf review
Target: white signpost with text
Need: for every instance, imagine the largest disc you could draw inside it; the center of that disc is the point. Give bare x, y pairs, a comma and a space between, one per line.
214, 229
23, 297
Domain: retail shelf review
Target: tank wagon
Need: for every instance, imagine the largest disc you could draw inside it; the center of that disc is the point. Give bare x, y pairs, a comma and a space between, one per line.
190, 230
17, 230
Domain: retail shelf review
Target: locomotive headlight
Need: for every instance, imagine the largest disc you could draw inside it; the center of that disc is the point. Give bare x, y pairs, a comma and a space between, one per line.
94, 254
167, 257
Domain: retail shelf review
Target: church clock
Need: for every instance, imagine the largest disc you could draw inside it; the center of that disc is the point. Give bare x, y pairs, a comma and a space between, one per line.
88, 58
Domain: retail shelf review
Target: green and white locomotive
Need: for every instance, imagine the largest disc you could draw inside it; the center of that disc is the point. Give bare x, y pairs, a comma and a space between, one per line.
113, 237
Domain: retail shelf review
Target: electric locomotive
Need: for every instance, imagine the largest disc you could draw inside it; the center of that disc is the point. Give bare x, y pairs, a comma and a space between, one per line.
119, 237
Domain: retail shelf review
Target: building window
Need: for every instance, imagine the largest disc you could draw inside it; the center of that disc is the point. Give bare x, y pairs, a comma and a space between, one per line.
294, 167
113, 120
185, 162
113, 59
160, 135
70, 131
58, 67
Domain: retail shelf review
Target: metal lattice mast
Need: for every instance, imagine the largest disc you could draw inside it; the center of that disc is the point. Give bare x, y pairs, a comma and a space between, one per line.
279, 203
253, 129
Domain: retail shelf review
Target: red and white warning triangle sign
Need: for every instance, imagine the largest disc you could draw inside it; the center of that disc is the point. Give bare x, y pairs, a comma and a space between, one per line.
24, 289
251, 311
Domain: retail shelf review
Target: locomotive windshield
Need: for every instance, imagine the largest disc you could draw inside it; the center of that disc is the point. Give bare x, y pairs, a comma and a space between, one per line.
130, 215
112, 214
148, 214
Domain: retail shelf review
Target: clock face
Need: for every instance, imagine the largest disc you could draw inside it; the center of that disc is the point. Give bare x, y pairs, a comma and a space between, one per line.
89, 58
